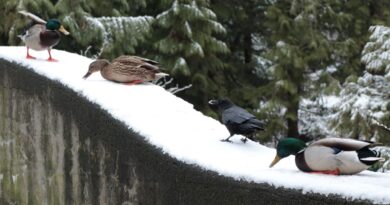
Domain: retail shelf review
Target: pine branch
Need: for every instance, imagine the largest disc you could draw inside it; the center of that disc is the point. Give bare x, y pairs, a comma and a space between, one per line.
381, 125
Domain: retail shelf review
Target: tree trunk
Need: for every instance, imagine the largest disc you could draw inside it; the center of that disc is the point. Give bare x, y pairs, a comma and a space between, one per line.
292, 125
248, 48
292, 119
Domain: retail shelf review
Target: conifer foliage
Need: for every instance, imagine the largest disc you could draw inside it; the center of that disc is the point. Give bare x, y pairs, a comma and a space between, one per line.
301, 36
113, 41
365, 102
187, 45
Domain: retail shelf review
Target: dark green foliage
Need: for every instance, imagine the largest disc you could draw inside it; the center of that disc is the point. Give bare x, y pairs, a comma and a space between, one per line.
246, 32
361, 15
186, 43
7, 15
366, 100
302, 43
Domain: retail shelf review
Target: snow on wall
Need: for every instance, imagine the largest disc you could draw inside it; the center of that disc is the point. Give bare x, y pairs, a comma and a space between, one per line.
173, 125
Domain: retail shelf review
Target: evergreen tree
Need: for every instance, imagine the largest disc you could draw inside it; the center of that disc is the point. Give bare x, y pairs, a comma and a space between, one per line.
186, 43
365, 101
317, 115
304, 34
246, 73
246, 31
104, 28
361, 15
8, 16
117, 35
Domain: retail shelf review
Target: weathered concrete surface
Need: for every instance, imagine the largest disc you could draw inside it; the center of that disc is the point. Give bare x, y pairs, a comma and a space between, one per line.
58, 148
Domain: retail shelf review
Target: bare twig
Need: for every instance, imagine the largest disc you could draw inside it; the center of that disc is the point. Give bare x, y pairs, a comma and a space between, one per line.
177, 89
165, 84
380, 124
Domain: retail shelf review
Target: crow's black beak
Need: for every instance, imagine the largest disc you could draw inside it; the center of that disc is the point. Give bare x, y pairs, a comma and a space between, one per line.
213, 102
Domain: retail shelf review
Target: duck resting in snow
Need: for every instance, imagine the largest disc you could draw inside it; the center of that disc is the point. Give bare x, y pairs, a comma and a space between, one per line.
42, 35
329, 156
126, 69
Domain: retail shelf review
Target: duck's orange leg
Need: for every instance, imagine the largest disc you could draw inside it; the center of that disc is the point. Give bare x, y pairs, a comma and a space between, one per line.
28, 56
134, 82
331, 172
50, 59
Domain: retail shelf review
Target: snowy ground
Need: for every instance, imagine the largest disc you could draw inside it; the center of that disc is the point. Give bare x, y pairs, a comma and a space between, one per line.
186, 134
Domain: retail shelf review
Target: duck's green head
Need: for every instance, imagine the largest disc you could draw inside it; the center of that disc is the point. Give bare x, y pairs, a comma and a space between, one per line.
54, 24
286, 147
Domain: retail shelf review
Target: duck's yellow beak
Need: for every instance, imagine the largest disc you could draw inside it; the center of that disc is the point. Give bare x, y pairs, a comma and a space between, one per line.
276, 160
63, 30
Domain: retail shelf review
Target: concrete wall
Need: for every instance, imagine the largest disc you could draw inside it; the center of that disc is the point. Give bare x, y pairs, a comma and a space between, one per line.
58, 148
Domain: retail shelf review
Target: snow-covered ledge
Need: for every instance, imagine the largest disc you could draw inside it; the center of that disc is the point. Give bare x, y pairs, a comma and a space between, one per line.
64, 140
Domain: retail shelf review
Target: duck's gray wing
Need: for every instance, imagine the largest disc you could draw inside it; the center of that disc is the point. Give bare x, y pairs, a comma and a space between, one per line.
33, 17
343, 143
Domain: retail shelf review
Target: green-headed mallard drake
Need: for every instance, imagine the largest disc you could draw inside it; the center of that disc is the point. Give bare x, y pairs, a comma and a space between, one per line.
329, 156
126, 69
42, 35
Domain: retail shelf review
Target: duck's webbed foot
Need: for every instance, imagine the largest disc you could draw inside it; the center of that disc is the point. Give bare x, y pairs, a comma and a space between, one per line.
28, 56
50, 59
244, 139
134, 82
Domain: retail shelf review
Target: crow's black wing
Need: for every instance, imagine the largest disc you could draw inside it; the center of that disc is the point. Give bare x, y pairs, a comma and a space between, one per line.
254, 123
236, 115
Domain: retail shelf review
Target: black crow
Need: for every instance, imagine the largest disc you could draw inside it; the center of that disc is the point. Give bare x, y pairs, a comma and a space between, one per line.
236, 119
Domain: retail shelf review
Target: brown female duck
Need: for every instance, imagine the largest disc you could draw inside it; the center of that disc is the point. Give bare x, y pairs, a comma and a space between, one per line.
126, 69
42, 35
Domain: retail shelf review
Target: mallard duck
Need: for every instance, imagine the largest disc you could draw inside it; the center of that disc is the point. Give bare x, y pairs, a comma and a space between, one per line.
329, 156
126, 69
42, 35
237, 120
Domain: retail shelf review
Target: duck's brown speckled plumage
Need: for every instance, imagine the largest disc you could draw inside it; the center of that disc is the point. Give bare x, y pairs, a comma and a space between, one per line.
127, 69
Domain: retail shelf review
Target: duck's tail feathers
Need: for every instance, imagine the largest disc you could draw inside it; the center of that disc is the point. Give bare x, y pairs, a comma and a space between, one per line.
21, 37
373, 159
32, 16
161, 75
368, 156
372, 143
